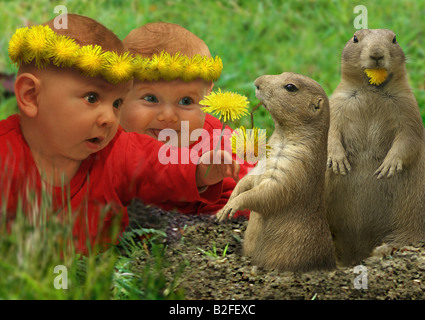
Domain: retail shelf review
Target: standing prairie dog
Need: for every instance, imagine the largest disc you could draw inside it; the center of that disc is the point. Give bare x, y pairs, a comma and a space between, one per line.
375, 184
287, 229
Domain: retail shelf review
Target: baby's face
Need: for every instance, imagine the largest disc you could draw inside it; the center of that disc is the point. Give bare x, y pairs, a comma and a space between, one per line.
78, 115
158, 105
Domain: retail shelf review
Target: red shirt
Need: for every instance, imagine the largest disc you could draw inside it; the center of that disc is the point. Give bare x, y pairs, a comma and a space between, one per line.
213, 128
125, 169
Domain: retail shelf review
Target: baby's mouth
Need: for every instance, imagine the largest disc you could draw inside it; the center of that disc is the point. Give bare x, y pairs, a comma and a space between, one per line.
167, 131
95, 142
155, 132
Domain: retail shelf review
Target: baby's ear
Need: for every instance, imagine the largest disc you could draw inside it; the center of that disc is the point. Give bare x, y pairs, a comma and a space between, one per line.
210, 88
27, 87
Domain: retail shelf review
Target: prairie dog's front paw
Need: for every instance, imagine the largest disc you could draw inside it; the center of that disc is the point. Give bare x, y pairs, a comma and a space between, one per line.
389, 167
228, 210
338, 161
225, 212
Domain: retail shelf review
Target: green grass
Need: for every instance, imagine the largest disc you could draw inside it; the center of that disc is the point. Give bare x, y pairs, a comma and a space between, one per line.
253, 38
32, 250
213, 253
37, 243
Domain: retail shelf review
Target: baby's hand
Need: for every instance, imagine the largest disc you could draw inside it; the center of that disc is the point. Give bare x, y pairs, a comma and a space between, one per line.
214, 166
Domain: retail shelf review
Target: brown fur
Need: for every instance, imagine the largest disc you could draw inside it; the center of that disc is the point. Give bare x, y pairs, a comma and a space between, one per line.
287, 229
155, 37
375, 189
87, 31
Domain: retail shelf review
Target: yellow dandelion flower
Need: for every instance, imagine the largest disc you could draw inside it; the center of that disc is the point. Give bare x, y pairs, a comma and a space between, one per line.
376, 76
192, 68
250, 145
141, 66
36, 47
216, 69
17, 44
175, 67
117, 68
227, 105
163, 61
206, 68
63, 51
90, 60
157, 63
160, 62
152, 74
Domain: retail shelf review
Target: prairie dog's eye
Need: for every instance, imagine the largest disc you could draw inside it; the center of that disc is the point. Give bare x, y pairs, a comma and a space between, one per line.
395, 39
355, 39
290, 87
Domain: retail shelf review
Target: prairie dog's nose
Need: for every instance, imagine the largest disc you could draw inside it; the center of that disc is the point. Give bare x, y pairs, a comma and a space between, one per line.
376, 54
258, 83
377, 58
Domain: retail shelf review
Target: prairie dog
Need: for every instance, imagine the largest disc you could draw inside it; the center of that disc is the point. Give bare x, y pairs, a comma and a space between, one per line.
375, 184
287, 229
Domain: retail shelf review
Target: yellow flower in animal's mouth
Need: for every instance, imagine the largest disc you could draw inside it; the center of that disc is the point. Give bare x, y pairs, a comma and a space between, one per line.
376, 76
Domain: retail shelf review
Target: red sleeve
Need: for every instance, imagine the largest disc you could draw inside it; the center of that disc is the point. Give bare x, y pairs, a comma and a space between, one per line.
155, 175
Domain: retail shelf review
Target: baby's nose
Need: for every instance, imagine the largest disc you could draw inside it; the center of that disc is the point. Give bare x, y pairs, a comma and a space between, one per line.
107, 117
168, 114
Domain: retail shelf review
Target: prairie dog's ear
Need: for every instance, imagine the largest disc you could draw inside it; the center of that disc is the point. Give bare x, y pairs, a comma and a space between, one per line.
318, 105
27, 87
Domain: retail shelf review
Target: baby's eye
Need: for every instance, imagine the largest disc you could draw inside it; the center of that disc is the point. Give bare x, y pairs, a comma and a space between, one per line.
117, 103
92, 97
186, 101
151, 98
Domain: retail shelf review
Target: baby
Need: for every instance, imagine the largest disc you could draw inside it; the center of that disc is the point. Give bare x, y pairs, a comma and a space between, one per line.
66, 142
163, 102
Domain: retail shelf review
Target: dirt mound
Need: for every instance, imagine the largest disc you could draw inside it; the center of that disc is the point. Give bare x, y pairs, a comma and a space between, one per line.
216, 269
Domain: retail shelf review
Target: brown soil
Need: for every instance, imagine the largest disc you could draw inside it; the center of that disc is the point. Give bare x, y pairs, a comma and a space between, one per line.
391, 273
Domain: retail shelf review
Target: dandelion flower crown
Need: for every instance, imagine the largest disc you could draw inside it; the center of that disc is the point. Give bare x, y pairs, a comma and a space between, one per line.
43, 46
178, 66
